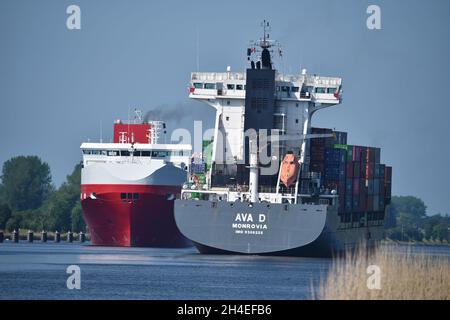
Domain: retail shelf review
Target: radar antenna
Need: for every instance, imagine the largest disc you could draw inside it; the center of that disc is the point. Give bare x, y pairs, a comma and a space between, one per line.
262, 48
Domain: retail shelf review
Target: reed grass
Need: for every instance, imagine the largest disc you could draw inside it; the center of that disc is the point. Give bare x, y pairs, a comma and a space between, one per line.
403, 276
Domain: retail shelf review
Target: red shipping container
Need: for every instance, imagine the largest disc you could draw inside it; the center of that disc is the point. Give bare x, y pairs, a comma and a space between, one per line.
357, 153
349, 171
388, 190
356, 184
388, 174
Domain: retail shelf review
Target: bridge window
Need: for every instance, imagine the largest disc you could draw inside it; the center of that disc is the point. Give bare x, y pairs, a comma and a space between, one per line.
239, 87
210, 86
295, 89
145, 153
87, 151
125, 153
113, 153
135, 196
123, 195
331, 90
285, 89
177, 153
321, 90
159, 154
230, 86
198, 85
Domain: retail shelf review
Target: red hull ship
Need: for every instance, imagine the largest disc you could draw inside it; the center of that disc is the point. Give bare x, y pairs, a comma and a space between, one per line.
128, 187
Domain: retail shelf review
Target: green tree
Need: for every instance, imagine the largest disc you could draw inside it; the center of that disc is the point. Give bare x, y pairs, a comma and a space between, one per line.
26, 182
440, 232
57, 210
408, 210
5, 214
429, 224
78, 223
13, 223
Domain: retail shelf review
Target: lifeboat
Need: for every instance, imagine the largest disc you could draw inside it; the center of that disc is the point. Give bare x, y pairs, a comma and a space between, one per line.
289, 169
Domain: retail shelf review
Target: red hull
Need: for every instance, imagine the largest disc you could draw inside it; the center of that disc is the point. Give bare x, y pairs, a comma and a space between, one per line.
147, 221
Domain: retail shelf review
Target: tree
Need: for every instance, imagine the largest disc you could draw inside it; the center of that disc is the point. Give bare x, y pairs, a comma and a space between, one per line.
440, 232
77, 218
26, 182
5, 214
12, 224
57, 210
408, 210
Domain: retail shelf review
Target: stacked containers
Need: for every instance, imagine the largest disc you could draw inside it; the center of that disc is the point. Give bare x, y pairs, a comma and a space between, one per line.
317, 151
362, 182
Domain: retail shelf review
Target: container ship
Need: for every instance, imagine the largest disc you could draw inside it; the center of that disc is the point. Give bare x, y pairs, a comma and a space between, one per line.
274, 184
128, 187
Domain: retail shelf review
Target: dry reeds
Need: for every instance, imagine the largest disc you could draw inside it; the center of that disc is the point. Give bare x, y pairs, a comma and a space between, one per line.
386, 274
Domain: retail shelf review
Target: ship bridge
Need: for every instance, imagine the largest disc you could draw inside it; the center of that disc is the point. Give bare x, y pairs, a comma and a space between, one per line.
232, 85
296, 98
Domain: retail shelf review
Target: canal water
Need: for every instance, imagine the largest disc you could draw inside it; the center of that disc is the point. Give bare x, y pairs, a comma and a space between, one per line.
38, 271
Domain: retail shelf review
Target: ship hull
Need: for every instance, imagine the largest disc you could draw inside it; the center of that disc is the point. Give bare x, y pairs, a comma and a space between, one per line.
290, 230
145, 220
132, 204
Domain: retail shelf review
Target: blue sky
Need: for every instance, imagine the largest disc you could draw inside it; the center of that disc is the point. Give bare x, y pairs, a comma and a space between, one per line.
57, 85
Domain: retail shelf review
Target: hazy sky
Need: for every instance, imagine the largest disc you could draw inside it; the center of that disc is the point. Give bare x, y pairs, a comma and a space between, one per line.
58, 85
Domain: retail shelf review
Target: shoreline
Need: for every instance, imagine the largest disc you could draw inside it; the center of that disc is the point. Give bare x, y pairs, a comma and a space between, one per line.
415, 243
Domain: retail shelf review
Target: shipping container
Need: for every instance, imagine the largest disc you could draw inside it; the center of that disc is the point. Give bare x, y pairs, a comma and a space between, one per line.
356, 185
376, 202
350, 153
363, 201
377, 156
388, 190
376, 186
370, 170
356, 169
363, 156
349, 170
381, 203
349, 185
388, 174
333, 155
379, 171
369, 206
356, 204
348, 202
382, 189
370, 187
357, 153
